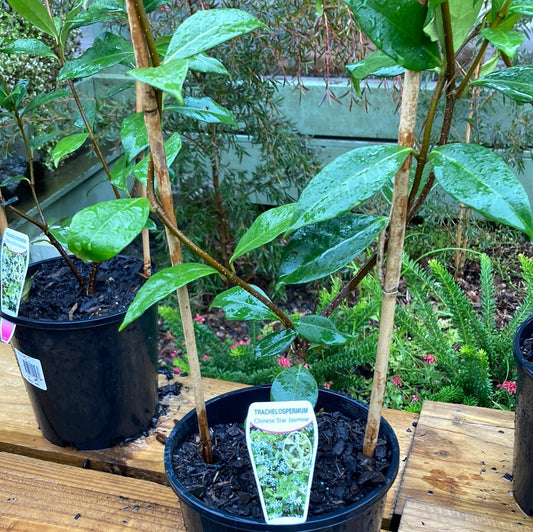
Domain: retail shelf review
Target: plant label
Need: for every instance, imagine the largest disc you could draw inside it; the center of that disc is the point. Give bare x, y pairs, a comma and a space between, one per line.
14, 263
282, 439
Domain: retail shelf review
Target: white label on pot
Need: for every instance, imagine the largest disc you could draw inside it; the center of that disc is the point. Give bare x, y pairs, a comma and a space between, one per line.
282, 439
14, 263
31, 370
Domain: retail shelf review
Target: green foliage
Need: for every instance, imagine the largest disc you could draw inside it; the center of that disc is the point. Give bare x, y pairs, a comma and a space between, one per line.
222, 360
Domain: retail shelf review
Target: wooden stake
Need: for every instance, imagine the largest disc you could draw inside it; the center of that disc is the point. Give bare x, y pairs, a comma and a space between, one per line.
152, 119
398, 220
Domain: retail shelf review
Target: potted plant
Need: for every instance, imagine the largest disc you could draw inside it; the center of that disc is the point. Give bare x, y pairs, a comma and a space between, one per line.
522, 459
324, 232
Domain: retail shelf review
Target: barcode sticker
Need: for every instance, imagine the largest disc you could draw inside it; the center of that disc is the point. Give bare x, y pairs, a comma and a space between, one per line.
31, 370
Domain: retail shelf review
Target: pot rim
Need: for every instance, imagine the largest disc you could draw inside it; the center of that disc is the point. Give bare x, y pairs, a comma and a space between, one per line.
328, 519
63, 325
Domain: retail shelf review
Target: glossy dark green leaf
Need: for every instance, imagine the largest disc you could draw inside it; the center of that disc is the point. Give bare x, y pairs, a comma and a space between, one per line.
507, 41
45, 98
206, 110
346, 182
397, 29
168, 77
34, 12
239, 305
30, 47
120, 172
99, 11
479, 178
514, 82
322, 249
275, 343
206, 29
106, 51
68, 145
265, 228
133, 135
207, 64
99, 232
294, 384
162, 284
319, 330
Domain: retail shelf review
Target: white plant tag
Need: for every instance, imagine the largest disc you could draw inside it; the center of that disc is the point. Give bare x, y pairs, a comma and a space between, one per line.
31, 369
282, 439
14, 262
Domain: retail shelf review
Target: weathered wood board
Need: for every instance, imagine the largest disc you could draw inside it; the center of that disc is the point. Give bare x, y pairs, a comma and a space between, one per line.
461, 460
37, 495
419, 516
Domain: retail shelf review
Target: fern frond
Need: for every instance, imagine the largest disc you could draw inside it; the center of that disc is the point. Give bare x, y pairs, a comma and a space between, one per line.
488, 293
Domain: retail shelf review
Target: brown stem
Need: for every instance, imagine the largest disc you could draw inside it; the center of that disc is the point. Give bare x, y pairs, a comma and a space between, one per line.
222, 216
91, 290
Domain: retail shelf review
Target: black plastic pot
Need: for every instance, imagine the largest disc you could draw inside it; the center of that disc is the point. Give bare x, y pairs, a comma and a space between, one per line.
523, 435
363, 516
101, 385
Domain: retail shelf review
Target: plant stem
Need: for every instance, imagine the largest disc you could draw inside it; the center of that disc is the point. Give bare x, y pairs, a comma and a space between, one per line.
398, 221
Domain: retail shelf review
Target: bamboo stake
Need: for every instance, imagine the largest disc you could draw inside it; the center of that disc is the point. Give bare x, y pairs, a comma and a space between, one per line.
152, 118
398, 220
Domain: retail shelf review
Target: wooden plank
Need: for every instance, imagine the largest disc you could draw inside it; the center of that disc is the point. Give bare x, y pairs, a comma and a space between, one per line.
38, 495
461, 459
419, 516
142, 458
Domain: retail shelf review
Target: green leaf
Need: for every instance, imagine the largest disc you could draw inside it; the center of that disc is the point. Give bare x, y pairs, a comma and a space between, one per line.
108, 50
133, 135
120, 172
265, 228
206, 29
172, 148
521, 7
514, 82
463, 16
68, 145
294, 384
45, 98
275, 343
319, 330
34, 12
346, 182
322, 249
99, 232
507, 41
30, 47
207, 64
206, 110
239, 305
479, 178
168, 77
162, 284
397, 29
99, 11
375, 64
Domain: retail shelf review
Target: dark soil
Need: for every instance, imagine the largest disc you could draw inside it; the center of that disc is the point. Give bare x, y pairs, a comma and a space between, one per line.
56, 295
342, 476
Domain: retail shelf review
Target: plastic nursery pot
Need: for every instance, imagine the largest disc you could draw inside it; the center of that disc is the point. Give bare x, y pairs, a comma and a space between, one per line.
523, 436
363, 516
90, 386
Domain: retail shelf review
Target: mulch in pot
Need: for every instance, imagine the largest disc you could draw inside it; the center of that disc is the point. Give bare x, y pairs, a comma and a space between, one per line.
343, 474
